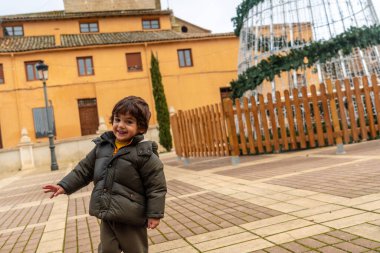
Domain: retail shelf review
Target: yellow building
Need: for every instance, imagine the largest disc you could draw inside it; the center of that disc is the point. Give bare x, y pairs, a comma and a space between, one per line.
98, 52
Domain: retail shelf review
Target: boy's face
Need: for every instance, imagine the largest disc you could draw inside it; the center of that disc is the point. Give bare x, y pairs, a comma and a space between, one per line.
124, 127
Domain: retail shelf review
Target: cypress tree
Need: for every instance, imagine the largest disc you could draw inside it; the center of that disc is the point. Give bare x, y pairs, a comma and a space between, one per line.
163, 117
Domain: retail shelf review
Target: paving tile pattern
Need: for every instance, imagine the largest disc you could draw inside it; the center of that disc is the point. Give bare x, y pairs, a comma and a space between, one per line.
39, 179
353, 180
280, 167
331, 242
204, 213
201, 164
227, 214
21, 241
25, 216
178, 188
364, 148
82, 235
78, 206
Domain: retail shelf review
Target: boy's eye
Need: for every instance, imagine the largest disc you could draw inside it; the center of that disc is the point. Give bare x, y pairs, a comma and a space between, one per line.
116, 120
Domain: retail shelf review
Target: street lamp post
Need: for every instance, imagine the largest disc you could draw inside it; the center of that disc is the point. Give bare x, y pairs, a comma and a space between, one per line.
42, 70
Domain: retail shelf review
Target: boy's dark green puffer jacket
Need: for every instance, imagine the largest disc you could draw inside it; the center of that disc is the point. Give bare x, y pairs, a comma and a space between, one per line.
129, 187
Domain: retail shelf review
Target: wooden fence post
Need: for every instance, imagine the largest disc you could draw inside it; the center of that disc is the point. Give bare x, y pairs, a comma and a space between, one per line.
231, 129
176, 137
377, 99
335, 119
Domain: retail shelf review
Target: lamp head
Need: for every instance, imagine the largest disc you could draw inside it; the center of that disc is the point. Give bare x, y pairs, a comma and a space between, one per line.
42, 70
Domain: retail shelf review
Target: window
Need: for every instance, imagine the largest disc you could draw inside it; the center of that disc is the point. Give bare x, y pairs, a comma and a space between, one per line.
16, 30
31, 72
85, 66
185, 58
40, 121
89, 27
1, 74
134, 62
151, 24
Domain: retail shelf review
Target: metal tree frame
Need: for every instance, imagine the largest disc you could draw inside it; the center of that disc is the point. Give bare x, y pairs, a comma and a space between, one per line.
276, 26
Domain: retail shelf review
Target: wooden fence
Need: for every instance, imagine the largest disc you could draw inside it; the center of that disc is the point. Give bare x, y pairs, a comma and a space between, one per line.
346, 113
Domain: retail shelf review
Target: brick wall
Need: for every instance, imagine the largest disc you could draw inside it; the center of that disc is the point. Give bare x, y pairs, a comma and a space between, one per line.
109, 5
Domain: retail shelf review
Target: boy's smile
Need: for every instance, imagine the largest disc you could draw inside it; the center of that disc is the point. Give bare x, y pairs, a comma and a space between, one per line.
124, 127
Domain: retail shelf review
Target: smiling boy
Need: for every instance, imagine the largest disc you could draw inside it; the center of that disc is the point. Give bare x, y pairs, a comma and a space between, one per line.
129, 182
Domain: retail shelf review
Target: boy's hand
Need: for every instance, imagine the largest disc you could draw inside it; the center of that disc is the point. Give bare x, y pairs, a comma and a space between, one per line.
153, 223
56, 189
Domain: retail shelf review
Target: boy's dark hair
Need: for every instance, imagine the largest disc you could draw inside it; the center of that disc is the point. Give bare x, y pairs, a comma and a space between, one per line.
136, 107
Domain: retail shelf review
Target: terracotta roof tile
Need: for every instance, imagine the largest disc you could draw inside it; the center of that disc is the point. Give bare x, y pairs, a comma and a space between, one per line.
20, 44
53, 15
76, 40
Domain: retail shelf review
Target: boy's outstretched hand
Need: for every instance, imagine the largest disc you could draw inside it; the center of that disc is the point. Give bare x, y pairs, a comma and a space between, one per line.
153, 223
55, 189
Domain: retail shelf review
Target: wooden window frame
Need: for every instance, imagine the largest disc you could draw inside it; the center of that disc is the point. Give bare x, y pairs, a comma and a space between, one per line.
187, 65
2, 78
85, 66
134, 68
88, 25
150, 23
35, 74
13, 30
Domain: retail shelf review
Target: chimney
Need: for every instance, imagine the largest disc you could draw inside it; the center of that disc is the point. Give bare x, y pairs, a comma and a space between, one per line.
158, 4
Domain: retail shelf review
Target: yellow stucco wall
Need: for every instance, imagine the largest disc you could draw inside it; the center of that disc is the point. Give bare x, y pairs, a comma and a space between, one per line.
106, 25
214, 60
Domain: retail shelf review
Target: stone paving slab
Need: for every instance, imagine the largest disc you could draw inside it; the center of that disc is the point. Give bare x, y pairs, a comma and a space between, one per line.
308, 201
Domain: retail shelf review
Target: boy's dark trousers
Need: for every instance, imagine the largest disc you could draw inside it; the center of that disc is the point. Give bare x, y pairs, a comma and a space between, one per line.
116, 237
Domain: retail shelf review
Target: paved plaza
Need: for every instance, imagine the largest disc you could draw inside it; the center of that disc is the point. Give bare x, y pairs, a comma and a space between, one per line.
307, 201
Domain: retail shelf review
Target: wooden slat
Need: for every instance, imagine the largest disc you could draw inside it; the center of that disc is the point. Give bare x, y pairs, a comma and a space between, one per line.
223, 122
276, 143
215, 148
175, 131
317, 117
202, 147
195, 122
216, 127
241, 127
359, 104
208, 131
281, 121
187, 132
249, 126
183, 134
351, 112
309, 124
376, 89
231, 128
326, 114
255, 114
368, 105
203, 150
334, 114
264, 124
342, 112
290, 118
191, 133
218, 134
299, 120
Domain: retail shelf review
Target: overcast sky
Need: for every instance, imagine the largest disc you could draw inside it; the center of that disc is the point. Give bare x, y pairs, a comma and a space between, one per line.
214, 15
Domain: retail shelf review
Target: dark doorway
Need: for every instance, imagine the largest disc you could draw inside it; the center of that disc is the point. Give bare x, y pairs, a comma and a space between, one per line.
88, 116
